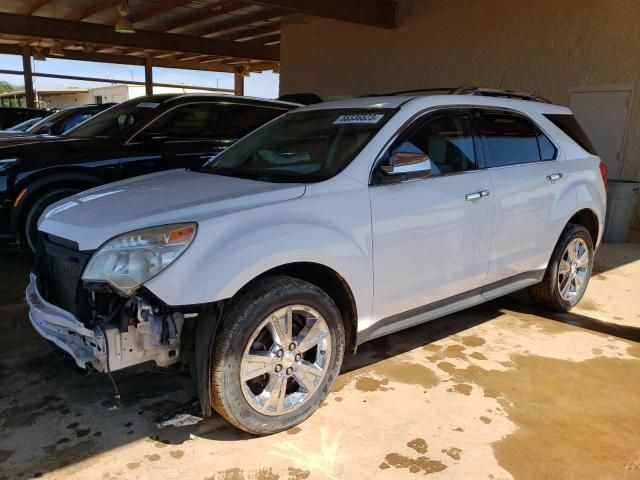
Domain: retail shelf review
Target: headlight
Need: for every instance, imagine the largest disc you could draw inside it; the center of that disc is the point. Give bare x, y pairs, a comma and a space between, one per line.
131, 259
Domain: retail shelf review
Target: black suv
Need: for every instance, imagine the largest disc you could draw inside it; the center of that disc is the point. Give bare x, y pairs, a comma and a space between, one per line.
10, 116
61, 121
140, 136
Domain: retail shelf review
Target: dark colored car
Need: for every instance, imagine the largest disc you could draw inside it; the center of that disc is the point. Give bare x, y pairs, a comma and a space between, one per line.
22, 127
140, 136
60, 122
10, 116
302, 98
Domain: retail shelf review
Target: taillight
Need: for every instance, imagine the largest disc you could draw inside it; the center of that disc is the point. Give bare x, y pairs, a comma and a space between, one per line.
604, 171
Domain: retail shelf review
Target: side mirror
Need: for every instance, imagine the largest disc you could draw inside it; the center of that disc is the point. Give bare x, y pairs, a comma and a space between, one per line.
405, 166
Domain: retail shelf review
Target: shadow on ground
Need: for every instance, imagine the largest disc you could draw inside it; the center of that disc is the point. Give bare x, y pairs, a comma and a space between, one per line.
51, 417
614, 255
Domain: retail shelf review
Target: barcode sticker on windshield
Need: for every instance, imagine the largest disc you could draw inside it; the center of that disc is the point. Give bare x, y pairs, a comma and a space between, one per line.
358, 118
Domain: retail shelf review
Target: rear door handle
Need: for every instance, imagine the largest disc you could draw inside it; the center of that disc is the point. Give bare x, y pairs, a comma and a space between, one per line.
477, 195
554, 177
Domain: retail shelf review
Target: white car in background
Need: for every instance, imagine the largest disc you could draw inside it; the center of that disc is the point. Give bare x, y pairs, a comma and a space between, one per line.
332, 225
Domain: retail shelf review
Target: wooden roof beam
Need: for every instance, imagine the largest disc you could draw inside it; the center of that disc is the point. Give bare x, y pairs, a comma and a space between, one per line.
210, 11
238, 22
92, 9
377, 13
157, 9
268, 30
129, 60
104, 34
32, 7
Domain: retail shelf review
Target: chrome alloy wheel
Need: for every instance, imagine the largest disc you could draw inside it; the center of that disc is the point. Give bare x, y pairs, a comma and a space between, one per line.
573, 269
285, 360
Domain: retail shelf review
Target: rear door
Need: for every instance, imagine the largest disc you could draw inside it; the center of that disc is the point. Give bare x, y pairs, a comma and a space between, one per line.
432, 236
526, 180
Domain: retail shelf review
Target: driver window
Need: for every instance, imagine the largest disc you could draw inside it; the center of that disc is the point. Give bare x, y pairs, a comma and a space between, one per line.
187, 122
447, 140
221, 121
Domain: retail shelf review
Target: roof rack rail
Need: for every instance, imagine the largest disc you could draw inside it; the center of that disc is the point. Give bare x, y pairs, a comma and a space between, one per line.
500, 93
433, 91
477, 91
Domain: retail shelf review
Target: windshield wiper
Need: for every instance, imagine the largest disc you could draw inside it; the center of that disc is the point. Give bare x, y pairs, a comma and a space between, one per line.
265, 176
286, 177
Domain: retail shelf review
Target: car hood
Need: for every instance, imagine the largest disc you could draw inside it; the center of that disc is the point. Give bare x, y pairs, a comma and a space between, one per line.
13, 133
91, 218
17, 139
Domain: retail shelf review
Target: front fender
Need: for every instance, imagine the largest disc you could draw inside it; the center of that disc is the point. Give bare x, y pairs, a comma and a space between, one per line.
234, 249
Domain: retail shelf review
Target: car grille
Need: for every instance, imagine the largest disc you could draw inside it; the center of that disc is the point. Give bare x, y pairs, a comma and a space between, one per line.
58, 266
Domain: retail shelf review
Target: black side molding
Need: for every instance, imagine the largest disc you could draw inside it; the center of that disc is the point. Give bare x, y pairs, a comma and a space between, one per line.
449, 305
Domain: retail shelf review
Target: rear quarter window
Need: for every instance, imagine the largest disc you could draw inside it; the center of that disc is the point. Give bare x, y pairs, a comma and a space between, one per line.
570, 126
510, 139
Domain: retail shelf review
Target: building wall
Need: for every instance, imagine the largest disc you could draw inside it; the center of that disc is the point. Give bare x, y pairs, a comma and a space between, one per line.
111, 93
543, 47
120, 93
65, 100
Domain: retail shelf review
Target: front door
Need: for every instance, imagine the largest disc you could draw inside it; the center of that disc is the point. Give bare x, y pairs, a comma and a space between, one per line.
432, 236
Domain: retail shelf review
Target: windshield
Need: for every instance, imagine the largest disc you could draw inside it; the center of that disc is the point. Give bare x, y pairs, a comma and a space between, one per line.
301, 147
24, 126
45, 124
116, 120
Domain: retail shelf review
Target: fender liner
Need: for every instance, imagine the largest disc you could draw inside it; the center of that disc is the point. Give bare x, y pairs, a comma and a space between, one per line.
205, 333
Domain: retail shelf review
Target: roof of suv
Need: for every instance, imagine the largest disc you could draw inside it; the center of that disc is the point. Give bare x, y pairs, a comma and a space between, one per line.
399, 100
175, 97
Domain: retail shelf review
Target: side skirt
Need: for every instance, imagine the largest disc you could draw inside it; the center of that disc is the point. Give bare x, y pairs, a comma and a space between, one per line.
450, 305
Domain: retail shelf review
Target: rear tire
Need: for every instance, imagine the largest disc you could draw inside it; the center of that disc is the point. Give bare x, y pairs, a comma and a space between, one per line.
262, 383
30, 227
567, 276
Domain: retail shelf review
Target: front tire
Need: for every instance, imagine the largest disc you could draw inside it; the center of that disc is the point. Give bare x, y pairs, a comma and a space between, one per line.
30, 228
278, 355
568, 272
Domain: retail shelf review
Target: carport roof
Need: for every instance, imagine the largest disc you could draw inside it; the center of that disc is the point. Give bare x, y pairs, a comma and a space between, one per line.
217, 35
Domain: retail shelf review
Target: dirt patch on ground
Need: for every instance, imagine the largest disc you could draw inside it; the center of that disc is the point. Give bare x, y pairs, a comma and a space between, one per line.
568, 415
377, 376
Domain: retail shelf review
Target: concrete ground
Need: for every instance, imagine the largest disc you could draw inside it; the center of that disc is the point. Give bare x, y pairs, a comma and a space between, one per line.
500, 391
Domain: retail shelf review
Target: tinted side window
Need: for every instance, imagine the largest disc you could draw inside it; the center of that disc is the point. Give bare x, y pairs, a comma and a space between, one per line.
76, 120
511, 140
447, 140
212, 121
186, 122
236, 121
569, 125
548, 150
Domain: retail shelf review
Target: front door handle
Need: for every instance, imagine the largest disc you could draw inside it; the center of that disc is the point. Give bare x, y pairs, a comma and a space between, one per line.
554, 177
477, 195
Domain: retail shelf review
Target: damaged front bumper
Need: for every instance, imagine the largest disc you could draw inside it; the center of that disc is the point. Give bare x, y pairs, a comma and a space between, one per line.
62, 328
148, 337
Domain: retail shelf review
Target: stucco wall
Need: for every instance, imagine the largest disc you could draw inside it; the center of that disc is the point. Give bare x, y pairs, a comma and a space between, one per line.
64, 100
543, 47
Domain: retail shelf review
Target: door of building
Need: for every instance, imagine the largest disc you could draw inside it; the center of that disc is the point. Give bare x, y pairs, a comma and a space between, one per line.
603, 112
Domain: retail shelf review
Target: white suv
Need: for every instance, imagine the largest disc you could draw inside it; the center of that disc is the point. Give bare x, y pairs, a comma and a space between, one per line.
329, 226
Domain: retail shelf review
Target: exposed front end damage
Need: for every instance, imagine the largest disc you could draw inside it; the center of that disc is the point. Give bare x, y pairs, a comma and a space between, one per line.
105, 329
133, 332
64, 330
